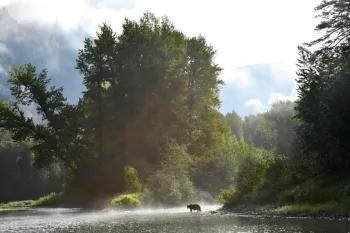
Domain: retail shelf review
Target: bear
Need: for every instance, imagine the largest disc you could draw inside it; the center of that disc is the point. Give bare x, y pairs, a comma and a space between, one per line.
194, 207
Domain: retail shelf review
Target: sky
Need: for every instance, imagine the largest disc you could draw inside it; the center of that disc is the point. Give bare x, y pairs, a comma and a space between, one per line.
256, 40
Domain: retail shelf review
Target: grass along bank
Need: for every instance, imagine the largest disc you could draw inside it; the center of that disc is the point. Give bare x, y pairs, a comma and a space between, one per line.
16, 204
322, 211
319, 198
330, 207
50, 200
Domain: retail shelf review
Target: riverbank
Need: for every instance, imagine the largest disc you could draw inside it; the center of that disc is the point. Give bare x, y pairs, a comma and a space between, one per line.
50, 200
326, 198
53, 200
291, 211
14, 205
7, 210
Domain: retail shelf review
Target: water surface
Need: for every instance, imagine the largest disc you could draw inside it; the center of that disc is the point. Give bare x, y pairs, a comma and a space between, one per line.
174, 220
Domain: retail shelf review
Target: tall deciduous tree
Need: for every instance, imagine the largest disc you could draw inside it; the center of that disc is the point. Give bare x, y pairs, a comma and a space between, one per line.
202, 79
97, 63
57, 138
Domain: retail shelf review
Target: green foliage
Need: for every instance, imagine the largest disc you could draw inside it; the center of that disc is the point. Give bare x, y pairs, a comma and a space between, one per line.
316, 192
244, 167
323, 104
54, 141
334, 24
19, 178
4, 135
260, 175
95, 62
51, 200
330, 207
171, 183
132, 183
280, 115
251, 168
227, 196
235, 122
16, 204
126, 200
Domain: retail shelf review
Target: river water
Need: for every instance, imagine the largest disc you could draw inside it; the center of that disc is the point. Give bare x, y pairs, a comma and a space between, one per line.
174, 220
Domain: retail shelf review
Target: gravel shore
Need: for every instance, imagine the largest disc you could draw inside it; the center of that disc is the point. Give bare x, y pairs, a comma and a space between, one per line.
272, 212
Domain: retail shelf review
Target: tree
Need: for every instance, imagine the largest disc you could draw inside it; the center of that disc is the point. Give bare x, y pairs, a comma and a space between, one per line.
202, 78
147, 98
322, 108
259, 131
97, 63
20, 179
171, 183
132, 183
281, 114
56, 139
236, 124
335, 24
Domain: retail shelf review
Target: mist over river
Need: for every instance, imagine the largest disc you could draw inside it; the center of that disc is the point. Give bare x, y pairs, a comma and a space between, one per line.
173, 220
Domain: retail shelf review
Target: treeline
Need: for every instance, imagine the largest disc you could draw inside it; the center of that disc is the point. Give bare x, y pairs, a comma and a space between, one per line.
311, 162
264, 159
19, 179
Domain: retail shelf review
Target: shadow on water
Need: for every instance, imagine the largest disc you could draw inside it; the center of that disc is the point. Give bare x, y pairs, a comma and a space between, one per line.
177, 220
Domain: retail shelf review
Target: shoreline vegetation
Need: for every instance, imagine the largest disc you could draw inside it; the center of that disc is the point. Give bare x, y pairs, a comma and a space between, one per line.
329, 211
323, 198
291, 211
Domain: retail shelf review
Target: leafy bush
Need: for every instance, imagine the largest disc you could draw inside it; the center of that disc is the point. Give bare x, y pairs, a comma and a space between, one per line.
171, 184
131, 178
315, 192
217, 172
248, 166
51, 199
227, 196
251, 169
127, 200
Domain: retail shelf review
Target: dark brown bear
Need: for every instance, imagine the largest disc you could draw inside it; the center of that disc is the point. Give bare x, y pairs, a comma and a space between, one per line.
194, 207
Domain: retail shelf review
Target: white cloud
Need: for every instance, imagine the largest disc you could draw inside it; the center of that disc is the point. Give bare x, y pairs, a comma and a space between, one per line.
279, 96
255, 105
3, 49
243, 32
241, 78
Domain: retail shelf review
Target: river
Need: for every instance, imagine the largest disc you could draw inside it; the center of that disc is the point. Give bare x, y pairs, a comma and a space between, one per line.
174, 220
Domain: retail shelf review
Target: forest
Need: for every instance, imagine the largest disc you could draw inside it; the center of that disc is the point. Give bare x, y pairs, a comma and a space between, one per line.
147, 128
